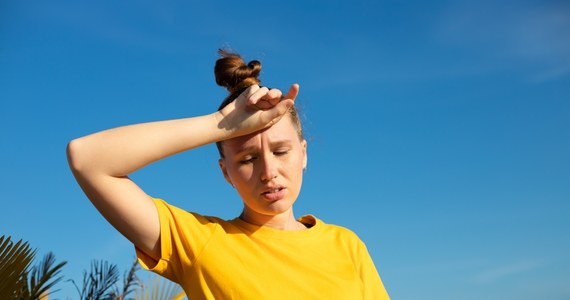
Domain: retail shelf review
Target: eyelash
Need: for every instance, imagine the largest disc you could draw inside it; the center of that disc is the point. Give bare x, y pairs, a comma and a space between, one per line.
250, 160
247, 161
280, 153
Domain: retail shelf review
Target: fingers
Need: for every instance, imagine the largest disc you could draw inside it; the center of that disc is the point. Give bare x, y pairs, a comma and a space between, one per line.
263, 98
273, 115
255, 93
293, 92
273, 96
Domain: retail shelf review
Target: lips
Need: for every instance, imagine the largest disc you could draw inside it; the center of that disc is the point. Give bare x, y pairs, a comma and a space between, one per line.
274, 193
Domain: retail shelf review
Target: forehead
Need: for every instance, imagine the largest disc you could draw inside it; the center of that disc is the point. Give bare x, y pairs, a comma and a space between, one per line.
282, 132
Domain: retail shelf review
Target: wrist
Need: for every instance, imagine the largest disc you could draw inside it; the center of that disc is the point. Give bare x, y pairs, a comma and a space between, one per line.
222, 127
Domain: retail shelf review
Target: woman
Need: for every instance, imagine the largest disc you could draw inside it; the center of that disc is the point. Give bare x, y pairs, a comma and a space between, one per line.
265, 253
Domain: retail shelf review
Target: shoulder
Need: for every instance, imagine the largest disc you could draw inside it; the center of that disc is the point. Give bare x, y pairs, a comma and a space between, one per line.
343, 240
335, 231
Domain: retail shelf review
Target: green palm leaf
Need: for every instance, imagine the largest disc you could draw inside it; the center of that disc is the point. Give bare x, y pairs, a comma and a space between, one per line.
44, 276
99, 282
130, 282
15, 261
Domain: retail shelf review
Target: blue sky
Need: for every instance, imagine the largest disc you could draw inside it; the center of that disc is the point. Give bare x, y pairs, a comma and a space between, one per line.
439, 131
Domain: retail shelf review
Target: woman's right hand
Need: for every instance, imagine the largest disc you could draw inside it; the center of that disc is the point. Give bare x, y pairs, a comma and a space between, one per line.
256, 108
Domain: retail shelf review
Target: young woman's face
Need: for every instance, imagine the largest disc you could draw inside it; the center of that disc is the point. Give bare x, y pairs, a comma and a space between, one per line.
266, 168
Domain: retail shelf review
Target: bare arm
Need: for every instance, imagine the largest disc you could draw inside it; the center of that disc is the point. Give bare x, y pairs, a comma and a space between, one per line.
101, 162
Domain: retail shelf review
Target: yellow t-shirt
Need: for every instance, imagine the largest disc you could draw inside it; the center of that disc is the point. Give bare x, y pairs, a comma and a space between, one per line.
216, 259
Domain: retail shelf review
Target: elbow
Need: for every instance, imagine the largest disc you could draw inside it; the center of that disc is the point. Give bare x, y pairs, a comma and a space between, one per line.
76, 155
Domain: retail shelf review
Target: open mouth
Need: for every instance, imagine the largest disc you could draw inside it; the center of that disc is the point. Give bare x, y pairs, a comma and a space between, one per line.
274, 194
276, 190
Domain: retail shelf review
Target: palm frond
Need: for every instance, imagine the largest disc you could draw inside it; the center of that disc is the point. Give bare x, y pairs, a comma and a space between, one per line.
44, 276
98, 283
15, 261
159, 288
130, 282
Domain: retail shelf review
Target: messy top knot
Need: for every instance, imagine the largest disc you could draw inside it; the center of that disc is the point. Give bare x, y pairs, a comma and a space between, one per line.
236, 76
233, 74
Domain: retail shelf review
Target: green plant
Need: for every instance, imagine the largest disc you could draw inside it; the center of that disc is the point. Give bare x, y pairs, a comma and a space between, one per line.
20, 280
15, 261
100, 283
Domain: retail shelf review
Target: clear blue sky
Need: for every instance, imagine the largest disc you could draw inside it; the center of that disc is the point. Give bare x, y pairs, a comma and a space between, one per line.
439, 131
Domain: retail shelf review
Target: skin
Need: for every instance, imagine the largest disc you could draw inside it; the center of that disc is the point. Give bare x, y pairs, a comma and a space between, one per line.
266, 168
101, 162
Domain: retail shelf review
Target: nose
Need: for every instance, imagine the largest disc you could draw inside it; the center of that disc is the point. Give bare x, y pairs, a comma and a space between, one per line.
268, 168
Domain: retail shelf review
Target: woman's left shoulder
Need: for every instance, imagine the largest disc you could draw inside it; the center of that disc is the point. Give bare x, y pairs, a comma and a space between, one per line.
340, 232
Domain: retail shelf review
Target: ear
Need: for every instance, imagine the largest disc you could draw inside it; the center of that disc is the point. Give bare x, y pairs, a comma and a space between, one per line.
305, 158
222, 165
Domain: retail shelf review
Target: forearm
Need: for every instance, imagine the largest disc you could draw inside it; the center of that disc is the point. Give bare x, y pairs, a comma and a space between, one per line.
120, 151
101, 162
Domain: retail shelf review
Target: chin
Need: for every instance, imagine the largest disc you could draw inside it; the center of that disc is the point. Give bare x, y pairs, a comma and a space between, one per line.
275, 208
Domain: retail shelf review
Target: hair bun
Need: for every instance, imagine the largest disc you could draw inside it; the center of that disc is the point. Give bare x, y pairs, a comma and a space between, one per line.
232, 72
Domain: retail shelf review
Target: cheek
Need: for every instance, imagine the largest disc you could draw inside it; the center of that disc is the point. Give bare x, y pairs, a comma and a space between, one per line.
242, 173
300, 161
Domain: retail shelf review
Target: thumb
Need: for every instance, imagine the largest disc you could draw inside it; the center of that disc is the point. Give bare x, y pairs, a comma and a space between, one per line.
293, 92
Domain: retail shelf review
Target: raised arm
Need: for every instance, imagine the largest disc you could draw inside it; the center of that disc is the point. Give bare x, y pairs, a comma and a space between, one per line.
101, 162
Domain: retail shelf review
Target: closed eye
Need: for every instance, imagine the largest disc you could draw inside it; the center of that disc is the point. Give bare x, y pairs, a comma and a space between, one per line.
247, 160
280, 152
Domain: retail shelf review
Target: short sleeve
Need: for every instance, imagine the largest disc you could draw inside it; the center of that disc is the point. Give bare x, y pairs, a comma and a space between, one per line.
183, 235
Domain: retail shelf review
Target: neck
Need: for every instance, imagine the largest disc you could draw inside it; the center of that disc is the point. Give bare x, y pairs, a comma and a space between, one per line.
283, 221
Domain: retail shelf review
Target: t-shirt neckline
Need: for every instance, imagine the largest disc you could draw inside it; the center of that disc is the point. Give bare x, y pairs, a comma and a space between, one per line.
313, 223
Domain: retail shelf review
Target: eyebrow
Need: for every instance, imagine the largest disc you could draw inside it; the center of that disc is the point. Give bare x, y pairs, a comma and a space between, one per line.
276, 144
